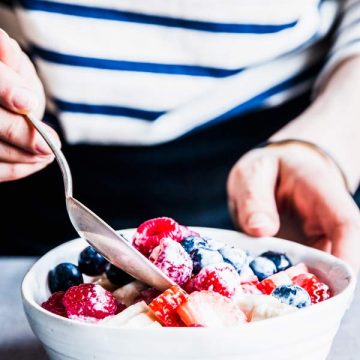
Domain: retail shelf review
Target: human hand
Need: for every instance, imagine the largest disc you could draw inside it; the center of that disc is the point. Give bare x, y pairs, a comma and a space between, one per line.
268, 182
22, 150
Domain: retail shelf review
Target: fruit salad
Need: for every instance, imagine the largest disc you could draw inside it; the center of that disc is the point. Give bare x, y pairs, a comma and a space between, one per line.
217, 285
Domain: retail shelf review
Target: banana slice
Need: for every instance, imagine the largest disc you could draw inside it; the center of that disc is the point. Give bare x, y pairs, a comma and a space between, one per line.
140, 321
127, 314
127, 294
261, 307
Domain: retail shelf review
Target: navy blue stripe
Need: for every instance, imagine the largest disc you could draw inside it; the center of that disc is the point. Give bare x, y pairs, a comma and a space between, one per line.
257, 101
109, 110
126, 16
122, 65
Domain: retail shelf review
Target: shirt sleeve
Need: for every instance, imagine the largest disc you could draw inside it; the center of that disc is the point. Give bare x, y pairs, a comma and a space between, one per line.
346, 40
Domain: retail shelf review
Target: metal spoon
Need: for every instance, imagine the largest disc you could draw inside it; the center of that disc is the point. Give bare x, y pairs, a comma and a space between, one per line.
113, 246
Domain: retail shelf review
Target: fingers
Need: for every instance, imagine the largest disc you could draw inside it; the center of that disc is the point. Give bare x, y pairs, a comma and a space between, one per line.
13, 155
16, 131
10, 172
15, 95
251, 188
10, 52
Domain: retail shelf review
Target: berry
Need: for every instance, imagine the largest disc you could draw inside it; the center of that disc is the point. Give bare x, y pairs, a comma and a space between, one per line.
235, 257
91, 262
171, 258
89, 302
297, 269
293, 295
117, 276
165, 305
55, 304
149, 233
262, 267
281, 261
221, 278
204, 257
269, 284
209, 309
192, 243
317, 290
64, 276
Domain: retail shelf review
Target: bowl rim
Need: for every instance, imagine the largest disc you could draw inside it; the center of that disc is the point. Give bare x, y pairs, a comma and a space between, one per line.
348, 290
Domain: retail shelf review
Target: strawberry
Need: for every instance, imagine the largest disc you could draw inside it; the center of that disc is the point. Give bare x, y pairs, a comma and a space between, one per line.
165, 305
221, 278
89, 302
209, 309
295, 270
171, 258
55, 304
269, 284
149, 233
317, 290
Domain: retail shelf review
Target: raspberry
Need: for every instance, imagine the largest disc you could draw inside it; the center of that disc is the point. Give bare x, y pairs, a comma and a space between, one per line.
220, 278
89, 302
317, 290
172, 260
187, 232
149, 233
55, 304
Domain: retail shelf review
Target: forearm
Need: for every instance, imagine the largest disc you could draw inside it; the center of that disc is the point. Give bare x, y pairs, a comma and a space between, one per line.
332, 121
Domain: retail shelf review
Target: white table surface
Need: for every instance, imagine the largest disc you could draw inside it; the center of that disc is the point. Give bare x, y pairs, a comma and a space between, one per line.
17, 342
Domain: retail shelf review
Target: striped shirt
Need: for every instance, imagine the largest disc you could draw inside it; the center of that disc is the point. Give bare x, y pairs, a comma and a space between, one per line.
146, 72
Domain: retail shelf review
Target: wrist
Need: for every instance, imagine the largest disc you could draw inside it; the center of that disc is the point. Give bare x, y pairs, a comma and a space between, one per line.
327, 133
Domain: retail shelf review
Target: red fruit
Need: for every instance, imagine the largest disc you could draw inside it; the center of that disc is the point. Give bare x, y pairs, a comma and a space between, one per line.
295, 270
149, 233
221, 278
269, 284
55, 304
171, 258
165, 305
209, 309
317, 290
89, 302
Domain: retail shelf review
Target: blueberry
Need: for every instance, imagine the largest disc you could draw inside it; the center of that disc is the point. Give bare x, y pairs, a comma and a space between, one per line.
203, 257
262, 267
293, 295
234, 257
64, 276
191, 243
117, 276
91, 262
281, 261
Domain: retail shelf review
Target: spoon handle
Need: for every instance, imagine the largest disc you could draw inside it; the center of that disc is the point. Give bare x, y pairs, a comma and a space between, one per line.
60, 158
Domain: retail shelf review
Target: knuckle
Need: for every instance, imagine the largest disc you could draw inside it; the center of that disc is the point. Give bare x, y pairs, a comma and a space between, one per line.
10, 131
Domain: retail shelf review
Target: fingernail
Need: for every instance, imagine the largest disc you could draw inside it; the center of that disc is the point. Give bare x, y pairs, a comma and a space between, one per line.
259, 220
23, 99
42, 147
44, 158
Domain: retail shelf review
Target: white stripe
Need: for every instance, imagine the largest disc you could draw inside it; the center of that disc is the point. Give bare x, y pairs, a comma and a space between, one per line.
229, 93
146, 91
225, 11
137, 42
351, 16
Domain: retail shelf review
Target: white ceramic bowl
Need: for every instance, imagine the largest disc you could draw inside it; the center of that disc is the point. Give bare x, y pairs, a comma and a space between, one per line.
304, 335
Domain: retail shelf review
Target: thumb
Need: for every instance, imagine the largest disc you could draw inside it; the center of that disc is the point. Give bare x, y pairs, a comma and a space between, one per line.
251, 190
